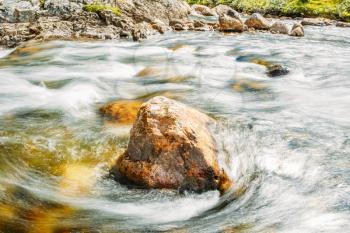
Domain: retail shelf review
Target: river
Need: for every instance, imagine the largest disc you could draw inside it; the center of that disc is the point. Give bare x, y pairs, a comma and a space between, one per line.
285, 141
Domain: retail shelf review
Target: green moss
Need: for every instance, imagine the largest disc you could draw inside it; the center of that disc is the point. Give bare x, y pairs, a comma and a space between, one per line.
97, 7
42, 3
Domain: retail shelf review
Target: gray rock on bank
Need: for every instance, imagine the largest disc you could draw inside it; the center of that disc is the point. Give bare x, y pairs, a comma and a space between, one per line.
23, 20
18, 11
62, 7
65, 19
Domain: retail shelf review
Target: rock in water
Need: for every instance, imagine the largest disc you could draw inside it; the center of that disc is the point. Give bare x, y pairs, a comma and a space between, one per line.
279, 27
121, 111
230, 24
171, 147
275, 70
257, 21
297, 30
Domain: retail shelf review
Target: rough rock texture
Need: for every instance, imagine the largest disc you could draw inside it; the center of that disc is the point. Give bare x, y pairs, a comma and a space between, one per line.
257, 21
18, 11
316, 22
23, 20
297, 30
230, 24
171, 147
61, 7
279, 27
203, 10
12, 36
64, 19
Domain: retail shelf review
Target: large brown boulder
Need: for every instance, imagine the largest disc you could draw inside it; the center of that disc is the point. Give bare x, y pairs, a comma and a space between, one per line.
171, 147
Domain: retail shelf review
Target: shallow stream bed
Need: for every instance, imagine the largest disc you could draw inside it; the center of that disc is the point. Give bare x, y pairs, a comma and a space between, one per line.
284, 140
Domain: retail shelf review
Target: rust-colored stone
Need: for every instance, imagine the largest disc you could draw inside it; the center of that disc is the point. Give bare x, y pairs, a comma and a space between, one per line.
122, 111
171, 147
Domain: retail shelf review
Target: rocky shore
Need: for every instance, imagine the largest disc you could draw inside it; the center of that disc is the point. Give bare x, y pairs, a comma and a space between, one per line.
40, 20
24, 20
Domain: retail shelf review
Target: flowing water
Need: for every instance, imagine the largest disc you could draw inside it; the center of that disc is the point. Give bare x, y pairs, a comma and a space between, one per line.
285, 141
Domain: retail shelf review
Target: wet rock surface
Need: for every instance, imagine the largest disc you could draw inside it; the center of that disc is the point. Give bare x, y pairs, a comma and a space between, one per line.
171, 147
275, 70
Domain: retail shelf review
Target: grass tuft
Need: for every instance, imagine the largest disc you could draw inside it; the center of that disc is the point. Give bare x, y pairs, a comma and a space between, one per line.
97, 7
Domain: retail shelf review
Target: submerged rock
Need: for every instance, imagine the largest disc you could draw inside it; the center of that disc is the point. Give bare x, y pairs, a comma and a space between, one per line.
245, 85
171, 147
272, 69
297, 30
72, 182
122, 111
257, 21
275, 70
279, 27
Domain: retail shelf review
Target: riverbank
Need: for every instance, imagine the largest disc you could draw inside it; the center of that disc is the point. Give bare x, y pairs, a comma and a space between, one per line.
34, 20
84, 20
331, 9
